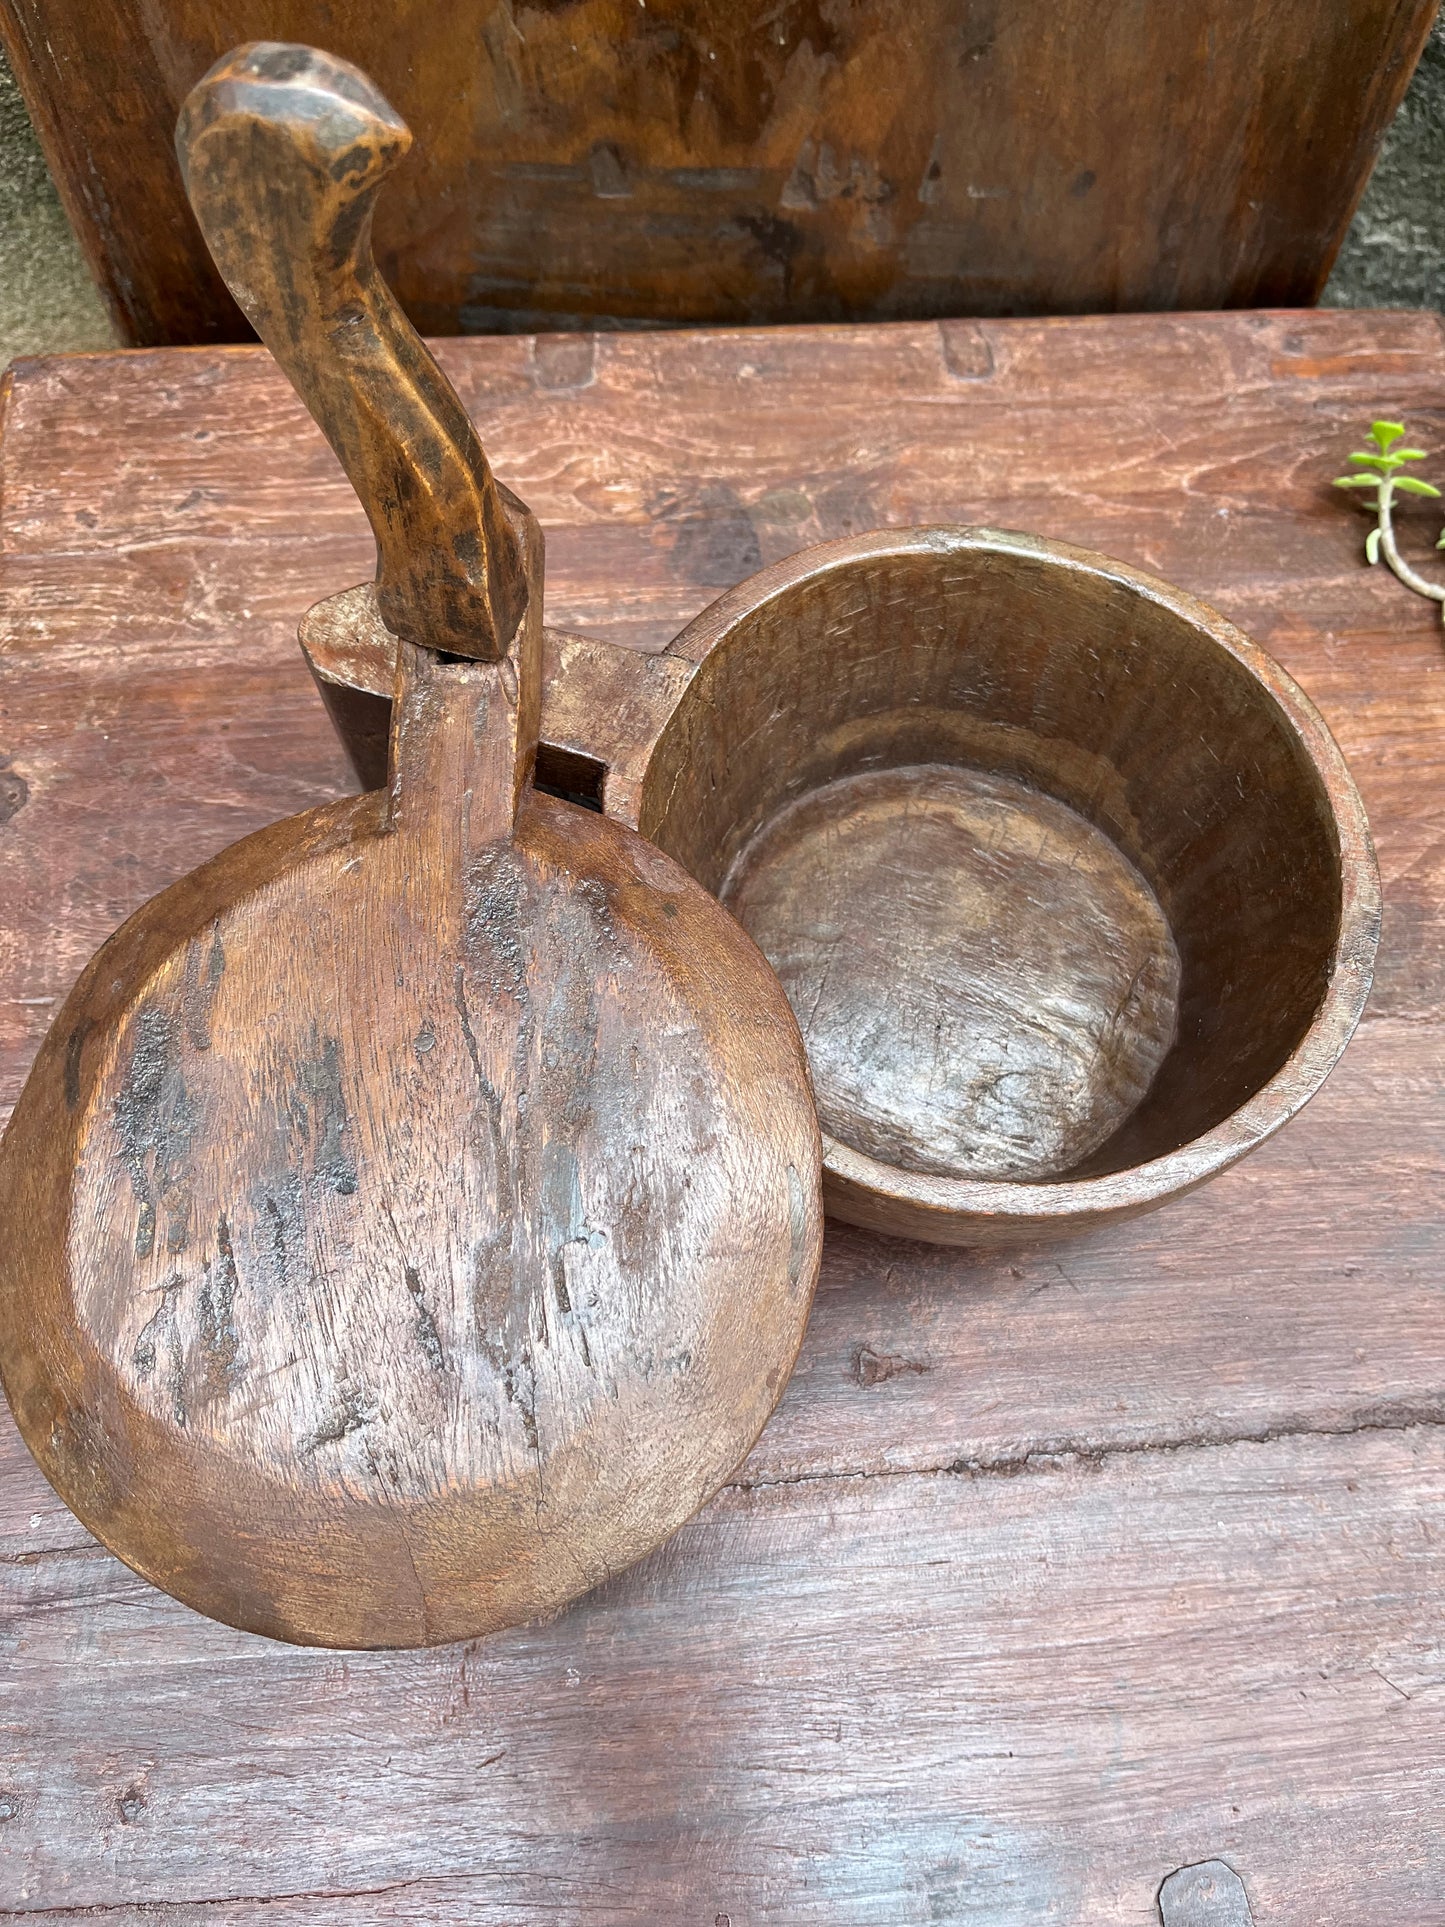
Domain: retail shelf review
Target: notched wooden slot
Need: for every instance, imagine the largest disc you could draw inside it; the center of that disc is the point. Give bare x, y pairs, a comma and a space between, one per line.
571, 775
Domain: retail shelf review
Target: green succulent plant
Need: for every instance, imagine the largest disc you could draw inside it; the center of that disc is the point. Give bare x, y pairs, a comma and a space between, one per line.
1383, 469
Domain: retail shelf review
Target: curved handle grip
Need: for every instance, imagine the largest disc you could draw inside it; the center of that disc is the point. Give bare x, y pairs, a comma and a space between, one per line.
283, 150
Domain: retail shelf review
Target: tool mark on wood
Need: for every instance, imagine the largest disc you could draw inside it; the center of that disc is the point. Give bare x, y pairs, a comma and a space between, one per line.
155, 1121
428, 1337
215, 1312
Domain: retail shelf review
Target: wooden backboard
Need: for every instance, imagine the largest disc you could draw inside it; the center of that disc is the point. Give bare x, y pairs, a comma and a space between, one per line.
764, 160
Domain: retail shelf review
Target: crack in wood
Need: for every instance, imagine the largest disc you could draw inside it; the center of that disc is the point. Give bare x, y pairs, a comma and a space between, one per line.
160, 1910
1050, 1455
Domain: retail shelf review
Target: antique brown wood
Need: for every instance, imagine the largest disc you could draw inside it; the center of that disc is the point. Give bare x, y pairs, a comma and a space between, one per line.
412, 1215
1065, 882
1068, 885
283, 152
1056, 1570
745, 161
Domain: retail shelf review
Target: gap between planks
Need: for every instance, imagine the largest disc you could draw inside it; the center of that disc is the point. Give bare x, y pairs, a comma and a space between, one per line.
1051, 1455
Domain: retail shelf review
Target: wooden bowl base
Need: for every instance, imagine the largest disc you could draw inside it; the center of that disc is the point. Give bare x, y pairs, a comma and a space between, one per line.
1042, 983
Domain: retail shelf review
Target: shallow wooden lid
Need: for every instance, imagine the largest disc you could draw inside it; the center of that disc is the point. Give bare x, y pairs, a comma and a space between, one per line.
413, 1214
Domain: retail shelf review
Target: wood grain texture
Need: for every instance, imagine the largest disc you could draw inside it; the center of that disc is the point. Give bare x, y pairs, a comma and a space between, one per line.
986, 1072
412, 1215
283, 152
1140, 1624
857, 1688
988, 985
410, 1218
1171, 734
701, 160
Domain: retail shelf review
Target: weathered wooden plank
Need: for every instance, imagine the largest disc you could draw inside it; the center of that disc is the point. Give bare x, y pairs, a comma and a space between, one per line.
1201, 446
878, 1700
1298, 1292
711, 161
789, 1715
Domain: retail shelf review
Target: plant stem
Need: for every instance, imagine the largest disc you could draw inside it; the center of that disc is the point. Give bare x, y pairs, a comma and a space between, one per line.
1410, 577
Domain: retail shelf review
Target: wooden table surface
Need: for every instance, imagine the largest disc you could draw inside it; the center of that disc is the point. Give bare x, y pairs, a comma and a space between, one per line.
1055, 1571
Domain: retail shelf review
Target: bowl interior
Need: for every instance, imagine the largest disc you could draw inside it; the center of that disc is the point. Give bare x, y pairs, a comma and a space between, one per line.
1047, 870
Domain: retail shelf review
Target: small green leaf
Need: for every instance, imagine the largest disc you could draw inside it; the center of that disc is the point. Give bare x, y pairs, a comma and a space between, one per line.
1412, 485
1383, 434
1372, 461
1409, 455
1372, 545
1357, 481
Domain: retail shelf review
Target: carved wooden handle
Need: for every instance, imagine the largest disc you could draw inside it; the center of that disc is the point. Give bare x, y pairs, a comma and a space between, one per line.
283, 150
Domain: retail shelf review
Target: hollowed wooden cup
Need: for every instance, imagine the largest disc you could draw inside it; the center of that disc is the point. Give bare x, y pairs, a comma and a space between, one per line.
1066, 880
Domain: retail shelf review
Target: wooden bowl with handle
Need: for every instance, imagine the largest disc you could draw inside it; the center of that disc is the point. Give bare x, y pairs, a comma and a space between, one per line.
1066, 880
412, 1216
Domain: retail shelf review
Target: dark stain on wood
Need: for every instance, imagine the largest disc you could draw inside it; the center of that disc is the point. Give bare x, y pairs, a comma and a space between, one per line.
317, 1118
355, 1408
74, 1050
155, 1121
876, 1368
428, 1337
713, 539
14, 792
159, 1349
217, 1338
205, 967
